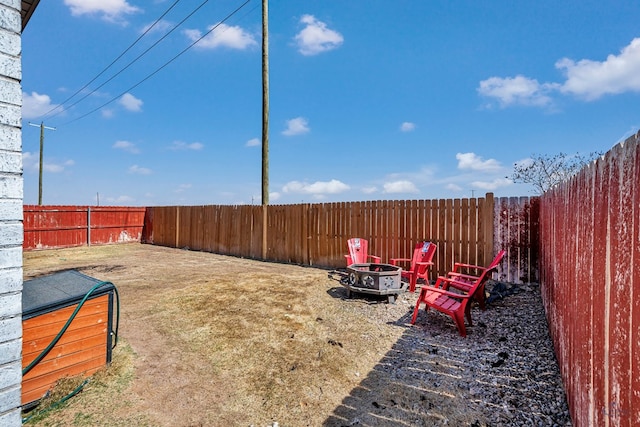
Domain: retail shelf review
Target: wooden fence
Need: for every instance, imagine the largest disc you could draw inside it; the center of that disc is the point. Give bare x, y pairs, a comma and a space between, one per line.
466, 230
516, 227
590, 277
469, 230
47, 227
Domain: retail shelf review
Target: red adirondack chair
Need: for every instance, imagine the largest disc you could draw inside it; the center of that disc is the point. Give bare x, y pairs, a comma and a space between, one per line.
456, 303
418, 265
472, 272
358, 252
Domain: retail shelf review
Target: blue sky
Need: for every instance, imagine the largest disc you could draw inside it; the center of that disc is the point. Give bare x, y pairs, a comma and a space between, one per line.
369, 100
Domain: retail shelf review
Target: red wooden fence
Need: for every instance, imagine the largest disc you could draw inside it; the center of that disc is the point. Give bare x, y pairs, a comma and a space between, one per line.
590, 258
316, 234
467, 230
517, 230
48, 227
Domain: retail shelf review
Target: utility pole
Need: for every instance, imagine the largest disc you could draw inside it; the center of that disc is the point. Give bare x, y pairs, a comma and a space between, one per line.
265, 123
42, 128
265, 102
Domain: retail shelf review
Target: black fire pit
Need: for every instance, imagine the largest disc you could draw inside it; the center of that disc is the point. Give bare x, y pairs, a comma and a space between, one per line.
371, 278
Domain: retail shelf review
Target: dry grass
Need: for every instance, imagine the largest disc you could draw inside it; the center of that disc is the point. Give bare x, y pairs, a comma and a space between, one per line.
254, 342
96, 399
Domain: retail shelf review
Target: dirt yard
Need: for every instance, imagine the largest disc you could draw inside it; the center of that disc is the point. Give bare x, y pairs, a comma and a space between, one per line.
211, 340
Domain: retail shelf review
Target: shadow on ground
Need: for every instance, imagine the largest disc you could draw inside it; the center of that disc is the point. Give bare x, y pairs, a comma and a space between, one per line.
503, 373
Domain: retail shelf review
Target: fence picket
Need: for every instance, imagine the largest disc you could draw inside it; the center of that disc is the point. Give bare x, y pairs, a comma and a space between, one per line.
316, 234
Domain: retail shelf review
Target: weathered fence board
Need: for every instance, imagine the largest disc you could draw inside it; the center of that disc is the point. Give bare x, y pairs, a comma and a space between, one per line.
315, 234
590, 245
66, 226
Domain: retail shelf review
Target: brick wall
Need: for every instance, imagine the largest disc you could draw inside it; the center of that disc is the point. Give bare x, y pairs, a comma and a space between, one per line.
10, 213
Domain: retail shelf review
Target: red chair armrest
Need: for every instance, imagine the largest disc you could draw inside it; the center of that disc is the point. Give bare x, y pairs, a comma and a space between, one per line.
424, 263
375, 258
453, 274
422, 266
394, 261
444, 283
427, 288
459, 285
462, 265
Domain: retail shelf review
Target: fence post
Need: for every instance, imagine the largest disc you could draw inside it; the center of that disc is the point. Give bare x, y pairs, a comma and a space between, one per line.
88, 225
177, 225
488, 222
264, 232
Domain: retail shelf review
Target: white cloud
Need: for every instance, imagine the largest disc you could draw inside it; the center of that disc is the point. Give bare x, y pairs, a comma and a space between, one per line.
119, 200
126, 146
586, 79
524, 162
517, 90
453, 187
138, 170
319, 187
274, 196
316, 38
31, 162
180, 145
131, 103
407, 127
473, 162
402, 186
182, 187
35, 105
52, 167
297, 126
57, 167
222, 36
109, 10
632, 131
492, 185
106, 113
369, 190
593, 79
159, 27
253, 142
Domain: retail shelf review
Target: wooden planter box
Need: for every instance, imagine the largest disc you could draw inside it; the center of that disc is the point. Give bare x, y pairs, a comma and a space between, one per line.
47, 304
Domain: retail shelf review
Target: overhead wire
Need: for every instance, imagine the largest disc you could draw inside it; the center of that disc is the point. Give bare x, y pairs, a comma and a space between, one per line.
137, 58
46, 115
213, 28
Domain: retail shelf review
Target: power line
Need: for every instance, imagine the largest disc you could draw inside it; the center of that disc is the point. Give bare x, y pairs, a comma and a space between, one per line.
162, 66
138, 57
108, 66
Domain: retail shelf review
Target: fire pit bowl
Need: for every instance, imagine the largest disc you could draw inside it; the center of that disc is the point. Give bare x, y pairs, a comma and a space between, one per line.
372, 278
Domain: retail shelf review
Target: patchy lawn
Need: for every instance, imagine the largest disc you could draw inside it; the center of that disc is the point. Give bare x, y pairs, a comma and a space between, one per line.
213, 340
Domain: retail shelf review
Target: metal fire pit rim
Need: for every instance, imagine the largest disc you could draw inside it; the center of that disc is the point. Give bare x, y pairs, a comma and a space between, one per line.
395, 268
382, 292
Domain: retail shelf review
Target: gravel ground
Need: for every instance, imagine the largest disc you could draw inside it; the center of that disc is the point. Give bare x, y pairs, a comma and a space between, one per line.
503, 374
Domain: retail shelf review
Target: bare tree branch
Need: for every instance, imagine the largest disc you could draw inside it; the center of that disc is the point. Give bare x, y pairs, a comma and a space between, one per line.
545, 171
